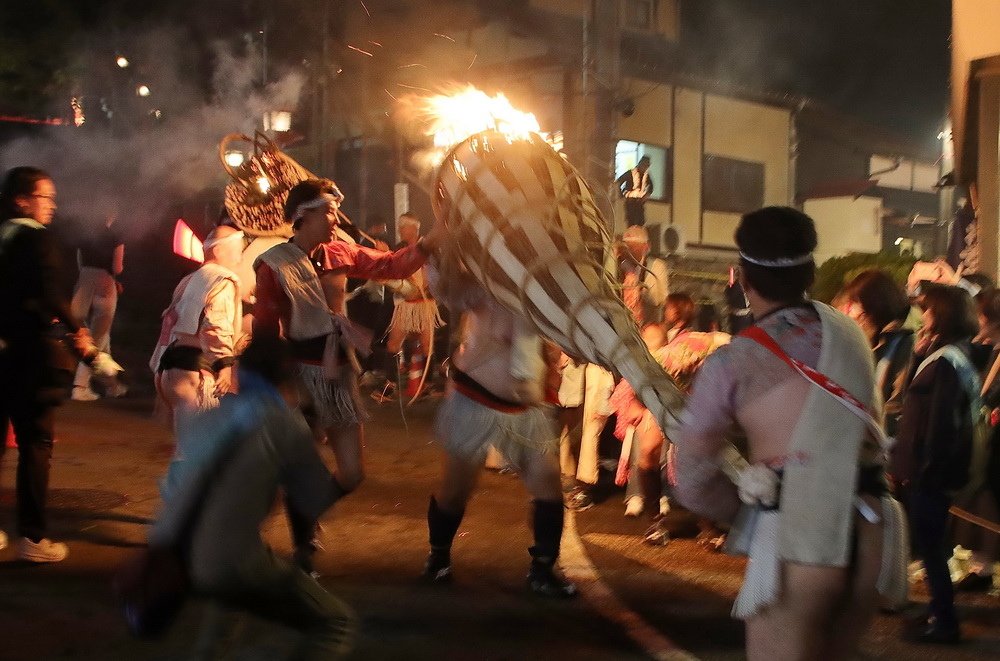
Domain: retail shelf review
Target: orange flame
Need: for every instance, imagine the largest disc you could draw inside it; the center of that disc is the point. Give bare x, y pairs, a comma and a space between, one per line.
451, 118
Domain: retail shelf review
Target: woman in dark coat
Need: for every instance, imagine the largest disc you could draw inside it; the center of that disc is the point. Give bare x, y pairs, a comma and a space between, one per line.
934, 445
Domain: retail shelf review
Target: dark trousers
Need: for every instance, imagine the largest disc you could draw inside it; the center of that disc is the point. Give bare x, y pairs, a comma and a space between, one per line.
928, 512
635, 212
31, 411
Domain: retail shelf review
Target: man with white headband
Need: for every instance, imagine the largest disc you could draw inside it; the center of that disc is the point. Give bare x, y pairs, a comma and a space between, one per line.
194, 356
645, 283
415, 312
301, 294
822, 534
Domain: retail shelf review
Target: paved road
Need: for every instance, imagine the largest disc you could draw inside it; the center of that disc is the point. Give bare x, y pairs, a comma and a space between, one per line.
639, 602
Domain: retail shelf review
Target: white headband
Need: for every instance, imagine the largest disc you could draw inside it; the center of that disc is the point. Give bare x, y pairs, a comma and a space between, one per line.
780, 262
211, 243
320, 201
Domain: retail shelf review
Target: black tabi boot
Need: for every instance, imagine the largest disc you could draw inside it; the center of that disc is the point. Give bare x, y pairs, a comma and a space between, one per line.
442, 526
543, 578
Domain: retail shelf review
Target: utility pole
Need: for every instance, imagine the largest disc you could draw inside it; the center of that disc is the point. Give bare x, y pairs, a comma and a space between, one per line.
323, 80
604, 49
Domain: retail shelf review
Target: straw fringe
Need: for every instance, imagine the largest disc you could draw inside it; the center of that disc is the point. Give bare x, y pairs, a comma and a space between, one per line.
336, 401
416, 316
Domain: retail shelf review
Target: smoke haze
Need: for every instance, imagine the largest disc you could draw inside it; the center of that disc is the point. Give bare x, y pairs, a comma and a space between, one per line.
139, 174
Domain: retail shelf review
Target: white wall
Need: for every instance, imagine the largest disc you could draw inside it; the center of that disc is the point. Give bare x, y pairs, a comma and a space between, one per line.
845, 224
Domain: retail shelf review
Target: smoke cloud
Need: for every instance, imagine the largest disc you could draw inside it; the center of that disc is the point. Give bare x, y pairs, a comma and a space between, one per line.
139, 172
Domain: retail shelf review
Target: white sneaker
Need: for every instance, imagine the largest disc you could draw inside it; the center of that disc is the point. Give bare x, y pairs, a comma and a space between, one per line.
44, 550
3, 540
84, 394
633, 506
664, 504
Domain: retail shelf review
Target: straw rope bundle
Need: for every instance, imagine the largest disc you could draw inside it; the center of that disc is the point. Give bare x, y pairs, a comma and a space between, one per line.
256, 195
525, 225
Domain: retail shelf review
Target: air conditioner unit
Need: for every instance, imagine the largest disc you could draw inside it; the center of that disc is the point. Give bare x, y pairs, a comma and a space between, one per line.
672, 241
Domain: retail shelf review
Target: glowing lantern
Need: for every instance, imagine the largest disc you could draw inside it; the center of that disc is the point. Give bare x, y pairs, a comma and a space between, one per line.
234, 158
277, 121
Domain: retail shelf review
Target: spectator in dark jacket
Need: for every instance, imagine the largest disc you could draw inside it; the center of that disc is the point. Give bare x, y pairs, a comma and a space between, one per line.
35, 367
934, 444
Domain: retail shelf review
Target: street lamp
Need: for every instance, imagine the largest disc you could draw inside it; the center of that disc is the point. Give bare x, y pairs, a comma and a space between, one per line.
142, 90
121, 61
277, 121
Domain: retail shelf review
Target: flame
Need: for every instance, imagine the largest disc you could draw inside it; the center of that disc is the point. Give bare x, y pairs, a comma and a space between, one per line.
451, 118
186, 244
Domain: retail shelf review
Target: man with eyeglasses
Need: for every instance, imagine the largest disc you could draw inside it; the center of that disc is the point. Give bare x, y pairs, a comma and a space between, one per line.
35, 366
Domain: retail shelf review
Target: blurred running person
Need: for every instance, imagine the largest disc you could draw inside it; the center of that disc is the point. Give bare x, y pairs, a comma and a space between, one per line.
240, 455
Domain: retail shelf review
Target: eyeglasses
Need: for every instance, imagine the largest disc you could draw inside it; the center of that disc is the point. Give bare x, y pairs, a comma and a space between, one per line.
44, 197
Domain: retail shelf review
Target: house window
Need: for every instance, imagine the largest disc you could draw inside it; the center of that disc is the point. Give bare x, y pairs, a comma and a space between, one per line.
661, 162
639, 14
731, 185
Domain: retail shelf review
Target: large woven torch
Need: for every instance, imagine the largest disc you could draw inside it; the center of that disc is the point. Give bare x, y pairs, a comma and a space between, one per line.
526, 226
256, 195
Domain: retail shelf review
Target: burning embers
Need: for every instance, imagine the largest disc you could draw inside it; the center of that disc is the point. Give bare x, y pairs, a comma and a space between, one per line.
451, 118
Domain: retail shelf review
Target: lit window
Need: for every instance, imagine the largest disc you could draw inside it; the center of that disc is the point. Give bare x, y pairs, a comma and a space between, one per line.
628, 153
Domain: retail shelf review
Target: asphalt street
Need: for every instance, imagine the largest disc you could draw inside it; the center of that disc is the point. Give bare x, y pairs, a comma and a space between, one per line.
637, 602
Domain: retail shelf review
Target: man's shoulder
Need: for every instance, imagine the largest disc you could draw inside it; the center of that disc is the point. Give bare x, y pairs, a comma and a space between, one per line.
278, 254
217, 272
18, 229
336, 254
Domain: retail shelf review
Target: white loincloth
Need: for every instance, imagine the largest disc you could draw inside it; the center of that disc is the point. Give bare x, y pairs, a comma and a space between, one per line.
762, 582
467, 429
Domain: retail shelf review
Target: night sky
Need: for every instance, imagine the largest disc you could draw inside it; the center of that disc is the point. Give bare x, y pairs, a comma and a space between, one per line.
886, 61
